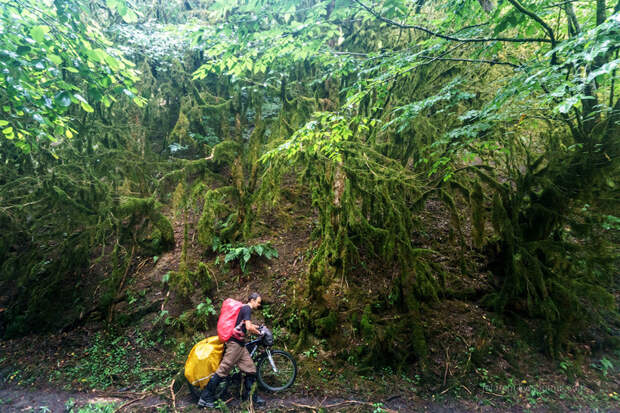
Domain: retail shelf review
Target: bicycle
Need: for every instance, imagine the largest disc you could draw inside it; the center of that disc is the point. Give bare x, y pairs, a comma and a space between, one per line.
276, 370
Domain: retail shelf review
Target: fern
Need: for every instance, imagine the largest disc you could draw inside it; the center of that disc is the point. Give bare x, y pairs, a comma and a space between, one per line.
243, 253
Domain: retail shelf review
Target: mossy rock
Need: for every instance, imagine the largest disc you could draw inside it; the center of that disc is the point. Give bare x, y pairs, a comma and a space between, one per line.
166, 231
181, 282
204, 277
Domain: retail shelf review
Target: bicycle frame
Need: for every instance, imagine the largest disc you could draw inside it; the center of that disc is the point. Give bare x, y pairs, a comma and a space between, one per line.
252, 346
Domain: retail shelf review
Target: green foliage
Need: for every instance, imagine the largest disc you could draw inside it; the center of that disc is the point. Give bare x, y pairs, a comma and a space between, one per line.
192, 321
111, 361
154, 238
52, 57
605, 365
242, 253
205, 314
96, 408
67, 94
206, 308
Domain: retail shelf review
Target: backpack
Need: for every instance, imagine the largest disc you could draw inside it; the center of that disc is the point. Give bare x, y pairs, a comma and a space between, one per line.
203, 361
226, 323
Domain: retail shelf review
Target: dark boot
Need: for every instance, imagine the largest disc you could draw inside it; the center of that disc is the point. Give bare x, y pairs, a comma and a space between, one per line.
248, 384
207, 397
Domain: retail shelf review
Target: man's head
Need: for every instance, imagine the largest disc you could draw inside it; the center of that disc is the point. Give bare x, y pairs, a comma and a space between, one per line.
254, 300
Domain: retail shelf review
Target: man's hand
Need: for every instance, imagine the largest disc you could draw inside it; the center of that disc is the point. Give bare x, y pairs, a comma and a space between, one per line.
251, 327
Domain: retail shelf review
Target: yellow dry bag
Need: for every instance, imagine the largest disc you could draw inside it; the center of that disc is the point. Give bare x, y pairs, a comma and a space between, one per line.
203, 361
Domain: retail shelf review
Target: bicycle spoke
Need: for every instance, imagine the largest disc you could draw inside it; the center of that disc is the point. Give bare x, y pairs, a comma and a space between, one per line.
284, 374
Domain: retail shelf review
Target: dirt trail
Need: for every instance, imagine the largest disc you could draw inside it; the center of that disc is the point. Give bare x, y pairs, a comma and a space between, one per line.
15, 399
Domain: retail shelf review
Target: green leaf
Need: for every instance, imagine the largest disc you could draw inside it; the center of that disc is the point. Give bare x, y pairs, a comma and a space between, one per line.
112, 62
3, 122
139, 101
87, 107
8, 131
230, 256
24, 146
166, 277
57, 60
84, 103
112, 4
38, 33
130, 16
567, 105
23, 50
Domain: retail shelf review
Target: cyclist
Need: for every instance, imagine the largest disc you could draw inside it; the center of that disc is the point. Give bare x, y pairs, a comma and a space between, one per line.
236, 354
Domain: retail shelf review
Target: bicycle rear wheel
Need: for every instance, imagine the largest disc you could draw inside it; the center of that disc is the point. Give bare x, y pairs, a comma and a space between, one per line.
280, 378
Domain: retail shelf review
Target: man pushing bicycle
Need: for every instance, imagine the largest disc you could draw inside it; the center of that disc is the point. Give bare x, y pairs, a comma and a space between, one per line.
235, 352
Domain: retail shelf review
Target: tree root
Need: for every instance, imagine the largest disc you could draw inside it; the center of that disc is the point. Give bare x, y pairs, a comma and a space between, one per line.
333, 405
130, 402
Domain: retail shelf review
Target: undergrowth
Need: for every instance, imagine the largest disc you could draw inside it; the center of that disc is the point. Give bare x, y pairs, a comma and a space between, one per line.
113, 361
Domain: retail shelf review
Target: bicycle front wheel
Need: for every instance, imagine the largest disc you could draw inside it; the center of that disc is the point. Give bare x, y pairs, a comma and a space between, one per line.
277, 373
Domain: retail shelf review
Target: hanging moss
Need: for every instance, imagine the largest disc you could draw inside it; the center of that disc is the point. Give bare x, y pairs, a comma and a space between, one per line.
181, 130
226, 151
161, 234
476, 200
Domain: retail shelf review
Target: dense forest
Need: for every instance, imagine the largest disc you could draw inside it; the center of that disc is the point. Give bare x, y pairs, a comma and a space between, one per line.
424, 192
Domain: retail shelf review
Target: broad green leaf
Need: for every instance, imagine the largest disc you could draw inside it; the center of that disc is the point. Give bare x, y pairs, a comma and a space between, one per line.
57, 60
87, 107
112, 62
112, 4
567, 104
38, 33
130, 16
84, 103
